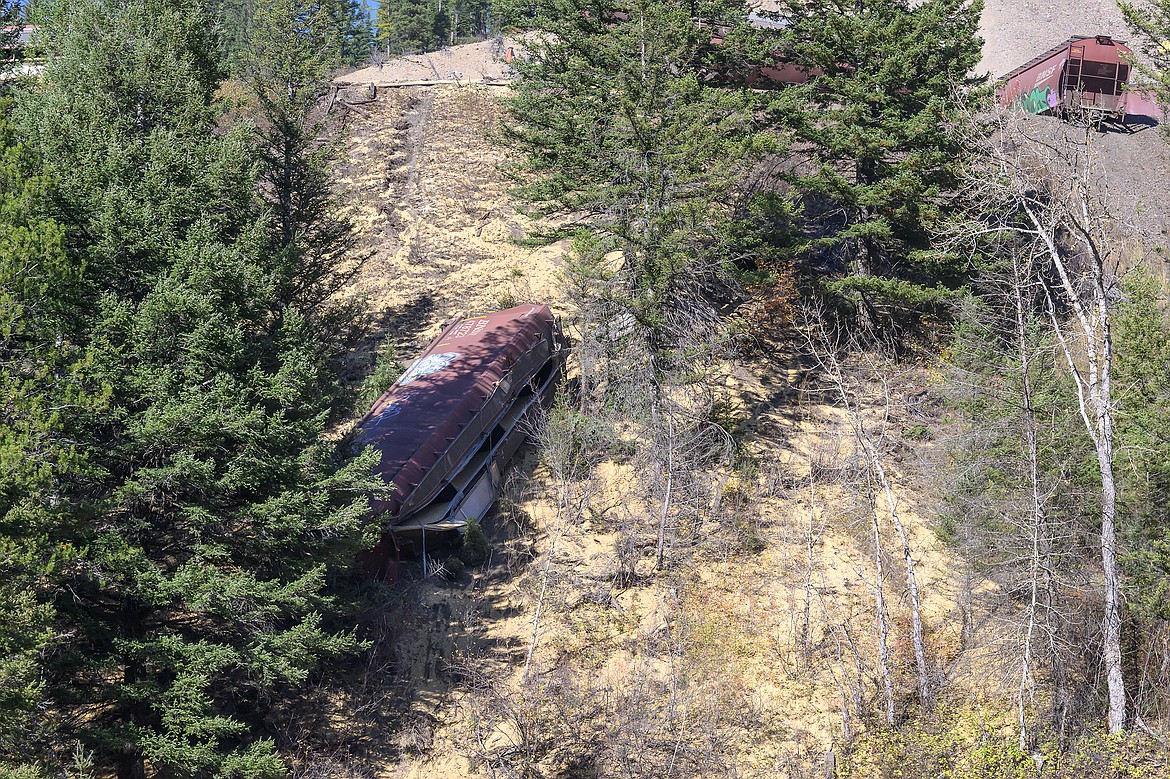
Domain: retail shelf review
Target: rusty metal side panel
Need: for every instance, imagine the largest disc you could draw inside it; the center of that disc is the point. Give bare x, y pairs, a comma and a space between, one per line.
1144, 103
1035, 86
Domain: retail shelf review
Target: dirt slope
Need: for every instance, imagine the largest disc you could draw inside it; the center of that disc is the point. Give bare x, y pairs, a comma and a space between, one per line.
471, 62
778, 681
438, 227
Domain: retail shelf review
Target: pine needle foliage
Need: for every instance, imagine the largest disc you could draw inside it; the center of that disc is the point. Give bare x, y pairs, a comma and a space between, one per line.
294, 52
349, 27
1143, 370
38, 369
211, 513
891, 83
619, 133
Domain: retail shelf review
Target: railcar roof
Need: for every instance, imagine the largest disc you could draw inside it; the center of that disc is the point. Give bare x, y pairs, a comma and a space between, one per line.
1056, 50
414, 423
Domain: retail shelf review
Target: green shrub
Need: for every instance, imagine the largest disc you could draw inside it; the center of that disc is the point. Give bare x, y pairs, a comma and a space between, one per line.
969, 743
21, 772
453, 567
475, 544
386, 371
919, 433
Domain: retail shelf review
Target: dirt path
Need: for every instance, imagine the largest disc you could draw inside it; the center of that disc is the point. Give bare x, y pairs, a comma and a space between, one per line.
430, 205
419, 119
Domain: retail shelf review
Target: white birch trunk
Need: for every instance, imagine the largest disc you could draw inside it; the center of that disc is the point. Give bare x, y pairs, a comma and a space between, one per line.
1019, 280
924, 691
1095, 399
883, 628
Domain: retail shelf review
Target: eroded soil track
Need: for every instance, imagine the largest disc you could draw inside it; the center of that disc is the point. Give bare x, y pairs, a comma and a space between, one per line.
431, 207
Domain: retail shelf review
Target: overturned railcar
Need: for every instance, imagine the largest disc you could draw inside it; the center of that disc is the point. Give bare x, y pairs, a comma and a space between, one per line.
1085, 74
448, 427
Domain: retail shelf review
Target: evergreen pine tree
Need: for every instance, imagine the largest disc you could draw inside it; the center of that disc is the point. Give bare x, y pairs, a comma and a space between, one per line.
384, 33
877, 122
410, 25
357, 32
234, 19
237, 21
11, 12
39, 369
505, 14
620, 133
295, 48
617, 128
1143, 429
211, 509
468, 20
351, 25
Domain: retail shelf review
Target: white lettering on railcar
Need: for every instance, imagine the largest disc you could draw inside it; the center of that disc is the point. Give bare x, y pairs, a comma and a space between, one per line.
1046, 74
469, 327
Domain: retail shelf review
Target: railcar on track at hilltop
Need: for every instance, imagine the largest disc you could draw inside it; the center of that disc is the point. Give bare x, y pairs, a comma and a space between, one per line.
1086, 76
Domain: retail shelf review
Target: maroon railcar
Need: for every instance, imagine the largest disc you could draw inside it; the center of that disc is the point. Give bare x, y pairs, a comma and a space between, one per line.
1085, 73
450, 424
783, 72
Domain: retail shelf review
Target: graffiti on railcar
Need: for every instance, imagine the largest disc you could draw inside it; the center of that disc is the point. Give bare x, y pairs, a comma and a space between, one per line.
1037, 101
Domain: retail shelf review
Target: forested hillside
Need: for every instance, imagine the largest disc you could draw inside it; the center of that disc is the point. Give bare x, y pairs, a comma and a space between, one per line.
861, 466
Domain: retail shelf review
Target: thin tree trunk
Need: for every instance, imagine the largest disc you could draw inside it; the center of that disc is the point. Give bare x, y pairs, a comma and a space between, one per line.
563, 505
846, 728
883, 628
669, 487
1094, 395
1104, 409
808, 569
924, 692
552, 548
1112, 639
1026, 663
1038, 514
828, 360
1060, 693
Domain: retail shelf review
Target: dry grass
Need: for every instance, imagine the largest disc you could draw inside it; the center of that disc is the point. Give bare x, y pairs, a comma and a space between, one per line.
439, 228
726, 623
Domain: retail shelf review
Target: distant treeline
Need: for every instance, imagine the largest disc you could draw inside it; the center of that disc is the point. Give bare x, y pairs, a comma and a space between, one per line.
394, 27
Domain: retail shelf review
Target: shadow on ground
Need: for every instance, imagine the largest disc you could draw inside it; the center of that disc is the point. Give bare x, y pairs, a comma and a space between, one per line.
384, 706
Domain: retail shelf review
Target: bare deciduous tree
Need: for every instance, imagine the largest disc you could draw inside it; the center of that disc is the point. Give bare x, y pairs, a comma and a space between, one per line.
826, 354
1046, 190
569, 445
